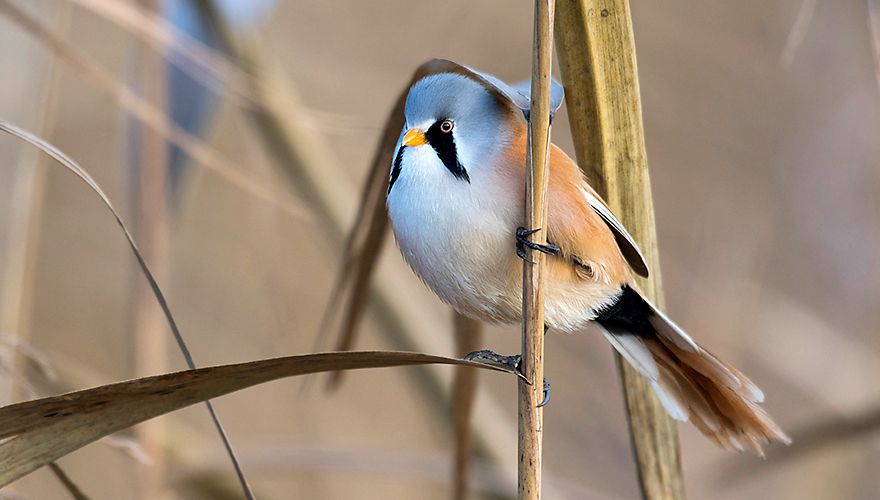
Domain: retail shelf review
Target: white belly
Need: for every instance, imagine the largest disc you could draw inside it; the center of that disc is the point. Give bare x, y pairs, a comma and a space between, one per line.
459, 238
458, 243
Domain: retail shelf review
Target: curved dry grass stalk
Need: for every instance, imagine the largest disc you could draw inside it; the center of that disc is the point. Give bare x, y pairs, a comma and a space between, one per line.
154, 117
72, 166
41, 431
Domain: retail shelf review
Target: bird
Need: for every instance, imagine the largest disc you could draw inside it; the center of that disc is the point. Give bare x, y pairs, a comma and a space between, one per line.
455, 200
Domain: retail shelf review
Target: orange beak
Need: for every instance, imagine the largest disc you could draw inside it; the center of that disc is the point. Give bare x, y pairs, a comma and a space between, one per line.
414, 137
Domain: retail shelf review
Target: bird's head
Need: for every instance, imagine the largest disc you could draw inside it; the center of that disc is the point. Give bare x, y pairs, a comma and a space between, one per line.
457, 123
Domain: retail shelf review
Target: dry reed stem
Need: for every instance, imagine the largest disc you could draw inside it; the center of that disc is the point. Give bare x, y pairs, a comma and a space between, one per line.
597, 58
531, 390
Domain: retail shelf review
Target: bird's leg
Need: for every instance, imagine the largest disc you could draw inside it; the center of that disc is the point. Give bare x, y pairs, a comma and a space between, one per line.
512, 362
523, 241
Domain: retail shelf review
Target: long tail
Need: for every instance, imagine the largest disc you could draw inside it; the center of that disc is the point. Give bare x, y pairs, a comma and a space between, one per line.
690, 382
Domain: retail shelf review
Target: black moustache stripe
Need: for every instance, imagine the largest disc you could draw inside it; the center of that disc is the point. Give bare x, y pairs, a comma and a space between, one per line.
398, 164
444, 145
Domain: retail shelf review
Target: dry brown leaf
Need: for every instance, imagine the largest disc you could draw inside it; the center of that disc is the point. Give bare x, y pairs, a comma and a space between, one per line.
44, 430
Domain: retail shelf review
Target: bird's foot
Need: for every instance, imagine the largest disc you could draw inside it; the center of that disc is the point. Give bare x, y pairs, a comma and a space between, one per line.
494, 359
523, 242
510, 362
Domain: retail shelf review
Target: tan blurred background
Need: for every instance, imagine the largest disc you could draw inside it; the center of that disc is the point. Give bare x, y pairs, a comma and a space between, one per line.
763, 134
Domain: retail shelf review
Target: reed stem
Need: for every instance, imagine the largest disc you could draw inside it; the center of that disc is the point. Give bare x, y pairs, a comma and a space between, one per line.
531, 392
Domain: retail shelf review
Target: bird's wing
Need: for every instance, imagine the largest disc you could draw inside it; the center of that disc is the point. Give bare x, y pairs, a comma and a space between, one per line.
625, 241
587, 231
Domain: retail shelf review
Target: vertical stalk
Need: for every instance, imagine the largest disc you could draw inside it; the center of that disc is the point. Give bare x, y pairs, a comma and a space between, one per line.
531, 392
598, 63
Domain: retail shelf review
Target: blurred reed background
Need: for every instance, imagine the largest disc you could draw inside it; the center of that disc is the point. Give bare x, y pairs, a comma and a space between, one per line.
762, 122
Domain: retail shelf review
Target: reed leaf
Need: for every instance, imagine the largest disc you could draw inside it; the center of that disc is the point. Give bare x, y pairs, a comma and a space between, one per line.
47, 429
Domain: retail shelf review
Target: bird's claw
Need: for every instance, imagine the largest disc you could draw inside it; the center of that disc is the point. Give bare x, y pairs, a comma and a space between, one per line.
523, 242
514, 363
546, 399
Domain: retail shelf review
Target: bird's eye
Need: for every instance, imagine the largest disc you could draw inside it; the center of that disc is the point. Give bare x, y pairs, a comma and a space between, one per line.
446, 126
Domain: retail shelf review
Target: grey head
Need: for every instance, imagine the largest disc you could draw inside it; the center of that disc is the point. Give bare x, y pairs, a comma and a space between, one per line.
463, 116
